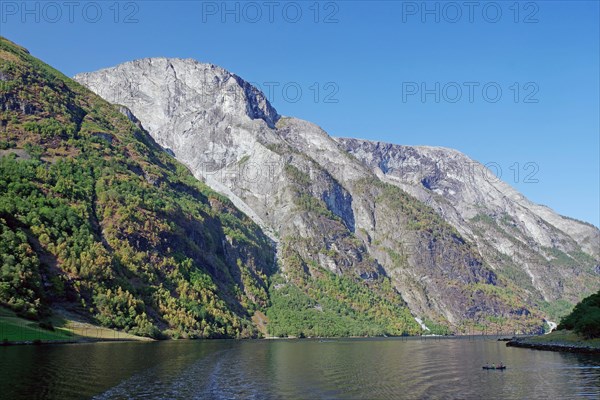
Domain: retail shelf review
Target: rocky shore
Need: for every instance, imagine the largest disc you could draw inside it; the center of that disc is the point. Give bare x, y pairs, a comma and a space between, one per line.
557, 342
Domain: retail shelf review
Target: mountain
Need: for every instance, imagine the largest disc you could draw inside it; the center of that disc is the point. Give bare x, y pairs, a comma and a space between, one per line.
364, 231
98, 221
554, 257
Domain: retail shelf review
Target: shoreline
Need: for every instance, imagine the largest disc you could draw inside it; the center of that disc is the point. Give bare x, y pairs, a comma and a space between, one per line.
37, 342
75, 341
559, 342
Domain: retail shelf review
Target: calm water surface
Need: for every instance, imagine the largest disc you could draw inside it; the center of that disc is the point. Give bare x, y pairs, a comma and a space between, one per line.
288, 369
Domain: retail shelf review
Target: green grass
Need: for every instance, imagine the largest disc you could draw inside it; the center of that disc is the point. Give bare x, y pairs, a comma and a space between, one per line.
14, 329
6, 313
66, 328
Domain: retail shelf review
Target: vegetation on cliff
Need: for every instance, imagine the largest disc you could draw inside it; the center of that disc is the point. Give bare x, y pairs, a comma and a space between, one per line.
309, 300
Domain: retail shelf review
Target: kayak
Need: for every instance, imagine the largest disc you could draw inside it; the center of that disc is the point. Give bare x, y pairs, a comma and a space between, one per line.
503, 367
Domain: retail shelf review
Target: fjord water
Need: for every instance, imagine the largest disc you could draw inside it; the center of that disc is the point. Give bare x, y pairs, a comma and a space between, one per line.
294, 369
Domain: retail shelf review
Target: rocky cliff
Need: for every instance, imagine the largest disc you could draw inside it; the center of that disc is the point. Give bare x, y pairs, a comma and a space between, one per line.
553, 257
354, 233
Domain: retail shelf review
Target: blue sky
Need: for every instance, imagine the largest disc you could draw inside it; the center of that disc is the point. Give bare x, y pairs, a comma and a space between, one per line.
388, 71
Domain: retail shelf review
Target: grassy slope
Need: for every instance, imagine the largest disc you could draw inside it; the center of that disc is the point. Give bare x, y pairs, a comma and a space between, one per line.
16, 329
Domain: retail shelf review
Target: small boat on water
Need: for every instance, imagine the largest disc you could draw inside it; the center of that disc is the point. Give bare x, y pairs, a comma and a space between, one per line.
491, 367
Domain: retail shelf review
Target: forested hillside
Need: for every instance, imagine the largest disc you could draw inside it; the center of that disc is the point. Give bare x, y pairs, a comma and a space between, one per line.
97, 219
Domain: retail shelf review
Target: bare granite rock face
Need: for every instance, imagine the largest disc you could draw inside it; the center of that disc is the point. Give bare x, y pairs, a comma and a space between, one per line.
459, 249
558, 254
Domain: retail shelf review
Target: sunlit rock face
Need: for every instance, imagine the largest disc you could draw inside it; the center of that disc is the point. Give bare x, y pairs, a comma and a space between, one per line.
458, 245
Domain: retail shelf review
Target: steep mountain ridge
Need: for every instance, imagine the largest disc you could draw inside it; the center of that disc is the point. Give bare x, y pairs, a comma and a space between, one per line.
331, 211
559, 255
447, 171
